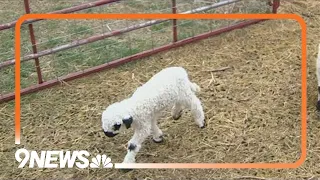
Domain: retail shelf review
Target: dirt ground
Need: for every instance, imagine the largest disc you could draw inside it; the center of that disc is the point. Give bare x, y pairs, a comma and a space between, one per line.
252, 109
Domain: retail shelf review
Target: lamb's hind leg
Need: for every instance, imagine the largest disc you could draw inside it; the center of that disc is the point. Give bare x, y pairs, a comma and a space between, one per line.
177, 111
194, 104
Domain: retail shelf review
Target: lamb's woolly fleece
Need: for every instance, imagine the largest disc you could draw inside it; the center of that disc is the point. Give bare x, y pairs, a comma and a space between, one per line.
168, 89
168, 86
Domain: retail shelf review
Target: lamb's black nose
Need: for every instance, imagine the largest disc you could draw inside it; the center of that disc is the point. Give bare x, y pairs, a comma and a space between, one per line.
109, 134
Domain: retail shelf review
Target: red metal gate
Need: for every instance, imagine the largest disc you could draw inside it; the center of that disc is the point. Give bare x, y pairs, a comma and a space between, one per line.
42, 84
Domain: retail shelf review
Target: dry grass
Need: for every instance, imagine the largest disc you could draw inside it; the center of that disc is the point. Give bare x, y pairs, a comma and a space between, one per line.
253, 109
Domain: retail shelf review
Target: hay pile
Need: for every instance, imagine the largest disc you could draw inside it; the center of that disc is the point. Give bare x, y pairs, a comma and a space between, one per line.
252, 109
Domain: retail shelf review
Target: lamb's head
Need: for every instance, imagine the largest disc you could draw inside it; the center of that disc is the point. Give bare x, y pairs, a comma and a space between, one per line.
115, 119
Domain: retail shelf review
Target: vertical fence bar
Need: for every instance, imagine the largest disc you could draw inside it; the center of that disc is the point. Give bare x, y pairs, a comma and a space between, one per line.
174, 21
275, 6
33, 41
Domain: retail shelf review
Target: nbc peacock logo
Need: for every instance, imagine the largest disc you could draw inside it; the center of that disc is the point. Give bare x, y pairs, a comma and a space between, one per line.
61, 159
101, 161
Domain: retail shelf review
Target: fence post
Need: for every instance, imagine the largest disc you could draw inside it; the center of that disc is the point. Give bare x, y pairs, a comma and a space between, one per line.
275, 6
174, 21
33, 41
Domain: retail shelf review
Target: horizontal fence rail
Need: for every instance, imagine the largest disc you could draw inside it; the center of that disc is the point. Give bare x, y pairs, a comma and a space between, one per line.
42, 84
63, 11
121, 61
110, 34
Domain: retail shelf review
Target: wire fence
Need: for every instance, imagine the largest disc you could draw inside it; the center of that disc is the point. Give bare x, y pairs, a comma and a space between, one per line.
63, 47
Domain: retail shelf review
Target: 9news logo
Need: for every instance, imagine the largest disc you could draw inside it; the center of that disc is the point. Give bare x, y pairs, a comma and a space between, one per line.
49, 159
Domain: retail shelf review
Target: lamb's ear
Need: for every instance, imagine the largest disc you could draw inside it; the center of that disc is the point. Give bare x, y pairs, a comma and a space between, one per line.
127, 122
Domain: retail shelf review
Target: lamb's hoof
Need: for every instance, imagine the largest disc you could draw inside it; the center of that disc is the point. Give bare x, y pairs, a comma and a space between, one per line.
126, 170
158, 140
177, 116
204, 124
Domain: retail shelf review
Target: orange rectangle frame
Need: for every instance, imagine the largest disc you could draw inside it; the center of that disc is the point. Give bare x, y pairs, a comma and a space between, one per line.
299, 19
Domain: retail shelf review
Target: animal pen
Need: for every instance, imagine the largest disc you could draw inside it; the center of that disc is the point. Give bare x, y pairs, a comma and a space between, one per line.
105, 44
252, 109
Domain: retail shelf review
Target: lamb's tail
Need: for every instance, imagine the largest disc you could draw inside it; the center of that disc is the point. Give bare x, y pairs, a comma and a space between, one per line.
194, 87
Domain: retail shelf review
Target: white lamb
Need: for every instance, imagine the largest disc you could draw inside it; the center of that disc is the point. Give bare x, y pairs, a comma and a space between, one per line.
170, 89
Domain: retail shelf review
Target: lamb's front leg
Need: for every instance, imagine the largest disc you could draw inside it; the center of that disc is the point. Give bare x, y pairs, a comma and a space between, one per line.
135, 143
